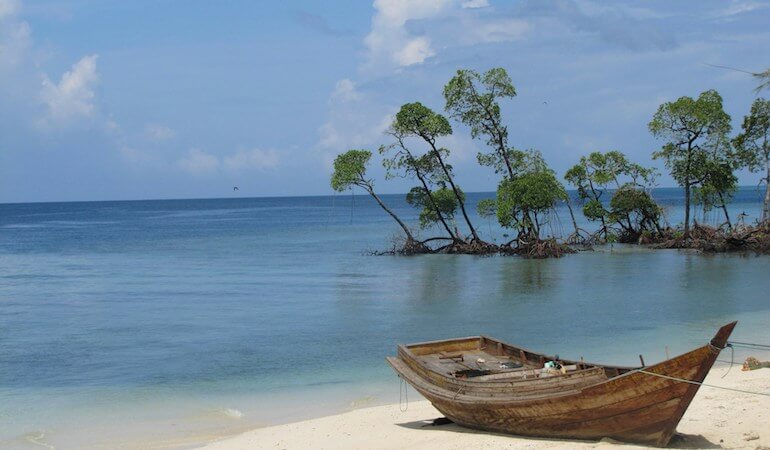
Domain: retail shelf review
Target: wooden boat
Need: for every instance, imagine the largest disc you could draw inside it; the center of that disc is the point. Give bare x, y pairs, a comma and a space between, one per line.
483, 383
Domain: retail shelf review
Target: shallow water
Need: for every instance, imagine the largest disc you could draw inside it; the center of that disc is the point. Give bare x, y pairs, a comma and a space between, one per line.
176, 321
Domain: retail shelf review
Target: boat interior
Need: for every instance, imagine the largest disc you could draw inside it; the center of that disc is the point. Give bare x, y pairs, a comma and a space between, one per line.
482, 358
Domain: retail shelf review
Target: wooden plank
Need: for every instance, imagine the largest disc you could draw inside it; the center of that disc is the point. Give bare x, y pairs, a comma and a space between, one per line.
631, 405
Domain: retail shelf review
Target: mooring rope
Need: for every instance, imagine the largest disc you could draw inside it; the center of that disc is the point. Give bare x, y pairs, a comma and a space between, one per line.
750, 345
457, 393
702, 384
732, 359
403, 394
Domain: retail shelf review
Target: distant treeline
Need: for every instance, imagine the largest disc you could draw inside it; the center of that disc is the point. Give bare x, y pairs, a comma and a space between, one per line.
698, 149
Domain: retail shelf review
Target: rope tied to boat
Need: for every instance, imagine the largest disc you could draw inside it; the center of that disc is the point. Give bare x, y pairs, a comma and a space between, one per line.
699, 383
732, 359
457, 393
403, 394
750, 345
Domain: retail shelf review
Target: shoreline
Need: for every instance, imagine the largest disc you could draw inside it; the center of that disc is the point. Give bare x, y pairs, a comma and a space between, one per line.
716, 418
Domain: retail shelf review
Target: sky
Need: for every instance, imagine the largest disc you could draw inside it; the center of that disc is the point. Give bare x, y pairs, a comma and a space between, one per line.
113, 100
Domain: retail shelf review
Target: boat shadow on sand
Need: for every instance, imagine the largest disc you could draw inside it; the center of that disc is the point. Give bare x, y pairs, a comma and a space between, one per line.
679, 440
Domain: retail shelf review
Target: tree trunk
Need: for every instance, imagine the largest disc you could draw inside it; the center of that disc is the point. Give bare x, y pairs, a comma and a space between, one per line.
497, 132
428, 191
572, 215
435, 206
392, 214
727, 216
457, 192
687, 209
598, 197
504, 154
766, 208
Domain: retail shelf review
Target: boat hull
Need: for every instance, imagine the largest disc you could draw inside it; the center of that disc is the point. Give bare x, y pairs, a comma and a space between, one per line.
633, 407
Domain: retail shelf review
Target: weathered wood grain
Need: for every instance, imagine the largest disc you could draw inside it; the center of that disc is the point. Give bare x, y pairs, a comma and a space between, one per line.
592, 402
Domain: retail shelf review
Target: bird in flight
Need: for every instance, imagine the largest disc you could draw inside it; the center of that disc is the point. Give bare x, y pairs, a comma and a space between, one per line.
235, 188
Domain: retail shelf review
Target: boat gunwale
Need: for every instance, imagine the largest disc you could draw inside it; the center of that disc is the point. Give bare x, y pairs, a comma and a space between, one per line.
406, 348
499, 383
471, 399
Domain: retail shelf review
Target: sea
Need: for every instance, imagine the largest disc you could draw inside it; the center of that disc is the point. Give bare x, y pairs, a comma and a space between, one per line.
170, 323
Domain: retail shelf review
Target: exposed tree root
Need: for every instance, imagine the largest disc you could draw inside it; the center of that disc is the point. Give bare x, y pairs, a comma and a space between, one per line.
546, 248
702, 238
714, 240
542, 248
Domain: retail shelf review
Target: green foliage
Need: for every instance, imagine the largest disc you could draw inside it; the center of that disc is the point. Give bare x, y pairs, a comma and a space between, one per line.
487, 208
696, 142
403, 163
350, 170
718, 185
442, 199
599, 172
472, 98
693, 129
753, 143
415, 119
594, 210
634, 209
521, 161
519, 200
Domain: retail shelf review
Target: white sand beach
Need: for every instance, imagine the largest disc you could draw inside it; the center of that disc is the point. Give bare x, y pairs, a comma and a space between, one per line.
716, 418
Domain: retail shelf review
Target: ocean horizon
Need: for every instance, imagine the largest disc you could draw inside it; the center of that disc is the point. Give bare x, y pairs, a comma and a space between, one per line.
743, 192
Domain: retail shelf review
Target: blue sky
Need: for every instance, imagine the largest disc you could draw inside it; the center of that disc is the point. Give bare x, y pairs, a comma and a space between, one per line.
169, 99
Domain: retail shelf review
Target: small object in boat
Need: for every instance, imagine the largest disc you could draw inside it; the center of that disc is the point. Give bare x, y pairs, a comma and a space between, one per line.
510, 365
481, 361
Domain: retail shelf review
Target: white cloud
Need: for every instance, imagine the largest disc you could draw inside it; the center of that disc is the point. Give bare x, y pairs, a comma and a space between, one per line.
154, 132
199, 163
9, 8
348, 129
415, 51
345, 90
72, 98
357, 123
736, 7
407, 33
389, 42
14, 41
251, 159
15, 37
474, 4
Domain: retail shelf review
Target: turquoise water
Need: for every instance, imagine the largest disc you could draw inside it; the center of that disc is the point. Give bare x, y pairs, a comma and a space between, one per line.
177, 321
